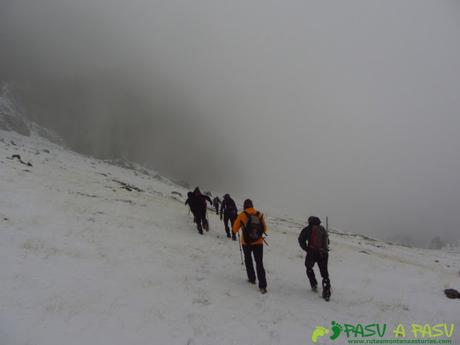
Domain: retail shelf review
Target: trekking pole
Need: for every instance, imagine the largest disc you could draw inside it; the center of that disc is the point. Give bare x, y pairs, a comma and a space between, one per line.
241, 250
265, 241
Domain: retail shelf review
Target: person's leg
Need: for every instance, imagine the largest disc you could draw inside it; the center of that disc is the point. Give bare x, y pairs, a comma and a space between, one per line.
322, 263
205, 221
309, 263
232, 220
198, 224
247, 250
199, 221
258, 251
226, 220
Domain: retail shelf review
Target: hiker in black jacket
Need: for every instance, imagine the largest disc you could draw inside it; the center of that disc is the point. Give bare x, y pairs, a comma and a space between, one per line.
199, 207
189, 201
229, 210
314, 240
216, 201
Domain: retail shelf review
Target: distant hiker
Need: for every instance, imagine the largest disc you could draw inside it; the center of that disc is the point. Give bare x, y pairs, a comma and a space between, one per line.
253, 224
216, 201
229, 210
314, 240
199, 207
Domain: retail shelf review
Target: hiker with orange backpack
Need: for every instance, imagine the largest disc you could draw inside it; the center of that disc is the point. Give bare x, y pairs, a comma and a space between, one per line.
314, 240
253, 228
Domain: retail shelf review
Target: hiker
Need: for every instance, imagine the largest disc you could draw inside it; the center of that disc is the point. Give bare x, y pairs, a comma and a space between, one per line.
314, 240
199, 207
216, 201
253, 225
229, 210
191, 205
189, 200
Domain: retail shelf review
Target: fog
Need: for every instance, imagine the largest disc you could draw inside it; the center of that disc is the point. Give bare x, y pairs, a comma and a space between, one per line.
346, 109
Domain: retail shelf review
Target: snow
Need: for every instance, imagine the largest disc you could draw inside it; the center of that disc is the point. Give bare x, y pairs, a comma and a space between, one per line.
83, 261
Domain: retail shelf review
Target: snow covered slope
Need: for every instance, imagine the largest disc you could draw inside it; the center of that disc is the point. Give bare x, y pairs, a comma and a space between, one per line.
84, 260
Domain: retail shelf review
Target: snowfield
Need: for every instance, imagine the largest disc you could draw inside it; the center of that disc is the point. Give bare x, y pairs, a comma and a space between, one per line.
85, 261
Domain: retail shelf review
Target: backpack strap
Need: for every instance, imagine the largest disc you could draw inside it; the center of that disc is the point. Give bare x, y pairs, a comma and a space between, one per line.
247, 218
249, 215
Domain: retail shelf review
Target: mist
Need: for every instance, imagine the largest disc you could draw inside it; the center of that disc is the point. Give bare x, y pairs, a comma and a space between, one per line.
342, 109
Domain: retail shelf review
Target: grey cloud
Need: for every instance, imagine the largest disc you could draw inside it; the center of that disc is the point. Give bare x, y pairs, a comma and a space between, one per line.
346, 109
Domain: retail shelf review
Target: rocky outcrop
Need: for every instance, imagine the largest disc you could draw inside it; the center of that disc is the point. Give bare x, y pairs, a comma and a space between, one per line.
11, 118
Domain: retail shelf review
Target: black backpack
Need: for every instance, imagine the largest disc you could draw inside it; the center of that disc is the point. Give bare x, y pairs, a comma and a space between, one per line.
253, 229
230, 206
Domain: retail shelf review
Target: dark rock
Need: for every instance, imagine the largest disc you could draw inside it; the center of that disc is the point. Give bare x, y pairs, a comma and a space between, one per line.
18, 157
14, 123
127, 186
452, 293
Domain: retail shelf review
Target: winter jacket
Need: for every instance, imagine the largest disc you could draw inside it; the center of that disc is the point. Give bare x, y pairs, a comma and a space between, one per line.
242, 220
197, 202
228, 206
314, 237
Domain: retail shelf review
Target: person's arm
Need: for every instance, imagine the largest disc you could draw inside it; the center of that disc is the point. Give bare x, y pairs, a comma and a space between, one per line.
209, 199
326, 240
262, 219
303, 237
238, 223
222, 209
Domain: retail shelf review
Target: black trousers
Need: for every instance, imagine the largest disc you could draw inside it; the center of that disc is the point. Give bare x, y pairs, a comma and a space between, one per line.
200, 220
217, 209
258, 251
229, 216
315, 256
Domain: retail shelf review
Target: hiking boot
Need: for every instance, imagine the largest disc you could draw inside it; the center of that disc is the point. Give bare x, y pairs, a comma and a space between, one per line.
233, 237
228, 235
263, 291
326, 294
314, 288
253, 282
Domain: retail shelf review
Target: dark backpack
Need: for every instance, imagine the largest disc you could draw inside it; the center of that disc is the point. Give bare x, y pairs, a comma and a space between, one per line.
230, 206
316, 238
253, 229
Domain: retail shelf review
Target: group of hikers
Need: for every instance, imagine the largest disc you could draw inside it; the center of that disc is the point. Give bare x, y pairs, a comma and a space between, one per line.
313, 239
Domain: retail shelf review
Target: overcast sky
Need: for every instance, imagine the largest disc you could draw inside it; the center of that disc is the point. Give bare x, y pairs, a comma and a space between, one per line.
349, 109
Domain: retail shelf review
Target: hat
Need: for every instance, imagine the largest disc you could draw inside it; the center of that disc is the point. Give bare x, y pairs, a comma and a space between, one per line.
312, 220
247, 204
